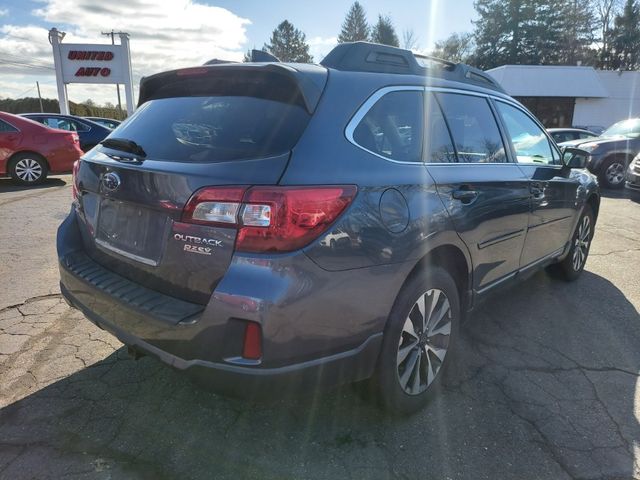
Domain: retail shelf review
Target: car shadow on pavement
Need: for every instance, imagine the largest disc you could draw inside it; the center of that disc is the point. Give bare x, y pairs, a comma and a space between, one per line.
543, 386
7, 185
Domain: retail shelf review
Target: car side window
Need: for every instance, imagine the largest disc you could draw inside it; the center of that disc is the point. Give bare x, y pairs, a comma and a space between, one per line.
529, 140
438, 145
79, 126
473, 128
393, 127
584, 135
6, 128
59, 123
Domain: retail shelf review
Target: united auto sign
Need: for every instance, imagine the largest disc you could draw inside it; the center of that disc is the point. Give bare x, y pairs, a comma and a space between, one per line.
92, 63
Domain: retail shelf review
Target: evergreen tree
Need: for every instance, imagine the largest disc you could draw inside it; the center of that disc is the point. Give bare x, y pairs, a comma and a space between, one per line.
568, 26
534, 32
625, 38
384, 32
289, 44
504, 32
355, 27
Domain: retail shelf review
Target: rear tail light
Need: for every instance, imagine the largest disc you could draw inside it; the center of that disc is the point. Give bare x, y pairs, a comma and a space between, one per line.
74, 179
252, 344
270, 219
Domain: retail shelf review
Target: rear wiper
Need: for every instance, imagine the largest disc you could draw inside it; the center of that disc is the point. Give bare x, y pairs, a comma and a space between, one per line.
124, 145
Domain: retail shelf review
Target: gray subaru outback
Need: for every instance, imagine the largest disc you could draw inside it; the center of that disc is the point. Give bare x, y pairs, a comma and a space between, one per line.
273, 226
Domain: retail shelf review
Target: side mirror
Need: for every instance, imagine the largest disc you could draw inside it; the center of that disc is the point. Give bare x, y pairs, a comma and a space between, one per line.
574, 157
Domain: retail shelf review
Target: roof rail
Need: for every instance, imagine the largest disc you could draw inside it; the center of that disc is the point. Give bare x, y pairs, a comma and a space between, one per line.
374, 57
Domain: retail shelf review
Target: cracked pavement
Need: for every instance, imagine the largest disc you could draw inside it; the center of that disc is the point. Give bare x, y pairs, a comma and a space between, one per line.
544, 385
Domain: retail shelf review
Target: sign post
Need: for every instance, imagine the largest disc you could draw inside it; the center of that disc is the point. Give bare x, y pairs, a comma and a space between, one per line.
55, 37
91, 63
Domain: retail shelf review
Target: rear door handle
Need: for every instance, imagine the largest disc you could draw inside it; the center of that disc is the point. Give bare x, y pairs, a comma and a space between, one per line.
465, 196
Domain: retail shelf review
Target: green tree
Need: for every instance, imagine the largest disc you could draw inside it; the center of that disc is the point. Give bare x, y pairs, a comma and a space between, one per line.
457, 47
355, 27
289, 44
564, 31
625, 38
533, 32
384, 32
503, 32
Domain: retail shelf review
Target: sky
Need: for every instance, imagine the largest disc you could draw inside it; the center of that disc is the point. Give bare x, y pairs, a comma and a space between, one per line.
168, 34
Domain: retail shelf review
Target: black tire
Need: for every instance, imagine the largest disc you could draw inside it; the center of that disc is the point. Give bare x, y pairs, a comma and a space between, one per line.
612, 173
28, 169
395, 396
573, 264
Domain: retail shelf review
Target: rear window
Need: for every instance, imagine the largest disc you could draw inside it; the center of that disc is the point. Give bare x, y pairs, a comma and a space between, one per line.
393, 127
214, 128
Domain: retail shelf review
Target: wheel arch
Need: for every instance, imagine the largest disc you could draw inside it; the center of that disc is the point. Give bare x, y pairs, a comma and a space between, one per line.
625, 155
594, 202
455, 260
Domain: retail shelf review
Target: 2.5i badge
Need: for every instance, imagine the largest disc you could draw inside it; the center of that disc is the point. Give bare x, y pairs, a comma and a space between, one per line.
194, 244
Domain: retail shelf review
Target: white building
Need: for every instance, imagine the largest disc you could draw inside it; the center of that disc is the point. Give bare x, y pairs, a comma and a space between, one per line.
564, 96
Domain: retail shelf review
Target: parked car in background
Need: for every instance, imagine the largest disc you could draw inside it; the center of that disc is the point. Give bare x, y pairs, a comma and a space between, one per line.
90, 133
306, 191
30, 151
597, 129
105, 122
633, 174
611, 153
561, 135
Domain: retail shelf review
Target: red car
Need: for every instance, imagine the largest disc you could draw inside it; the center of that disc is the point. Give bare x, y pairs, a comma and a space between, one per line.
29, 150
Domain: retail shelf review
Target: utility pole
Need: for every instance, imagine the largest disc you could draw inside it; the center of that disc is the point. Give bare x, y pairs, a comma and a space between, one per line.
40, 97
113, 42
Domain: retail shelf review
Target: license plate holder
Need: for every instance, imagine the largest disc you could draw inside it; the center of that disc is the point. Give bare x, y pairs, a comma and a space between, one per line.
131, 231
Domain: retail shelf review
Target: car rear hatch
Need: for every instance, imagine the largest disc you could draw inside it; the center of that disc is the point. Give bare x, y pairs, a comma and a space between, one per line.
221, 125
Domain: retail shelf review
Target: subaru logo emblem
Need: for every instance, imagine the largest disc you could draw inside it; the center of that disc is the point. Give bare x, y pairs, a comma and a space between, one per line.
110, 182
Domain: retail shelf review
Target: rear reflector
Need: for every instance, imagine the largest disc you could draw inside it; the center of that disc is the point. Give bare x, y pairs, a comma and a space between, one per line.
268, 218
252, 345
74, 179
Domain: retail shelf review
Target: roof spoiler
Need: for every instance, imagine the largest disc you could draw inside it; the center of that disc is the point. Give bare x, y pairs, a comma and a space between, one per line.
309, 79
374, 57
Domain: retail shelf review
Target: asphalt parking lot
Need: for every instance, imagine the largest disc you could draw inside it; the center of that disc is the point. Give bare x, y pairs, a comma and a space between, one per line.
545, 385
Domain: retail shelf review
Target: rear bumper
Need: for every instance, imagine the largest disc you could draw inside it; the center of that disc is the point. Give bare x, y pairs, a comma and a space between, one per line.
254, 382
316, 330
633, 180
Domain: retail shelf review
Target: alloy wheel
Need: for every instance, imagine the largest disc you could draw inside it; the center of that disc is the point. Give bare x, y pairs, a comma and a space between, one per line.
28, 170
581, 245
615, 173
424, 342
